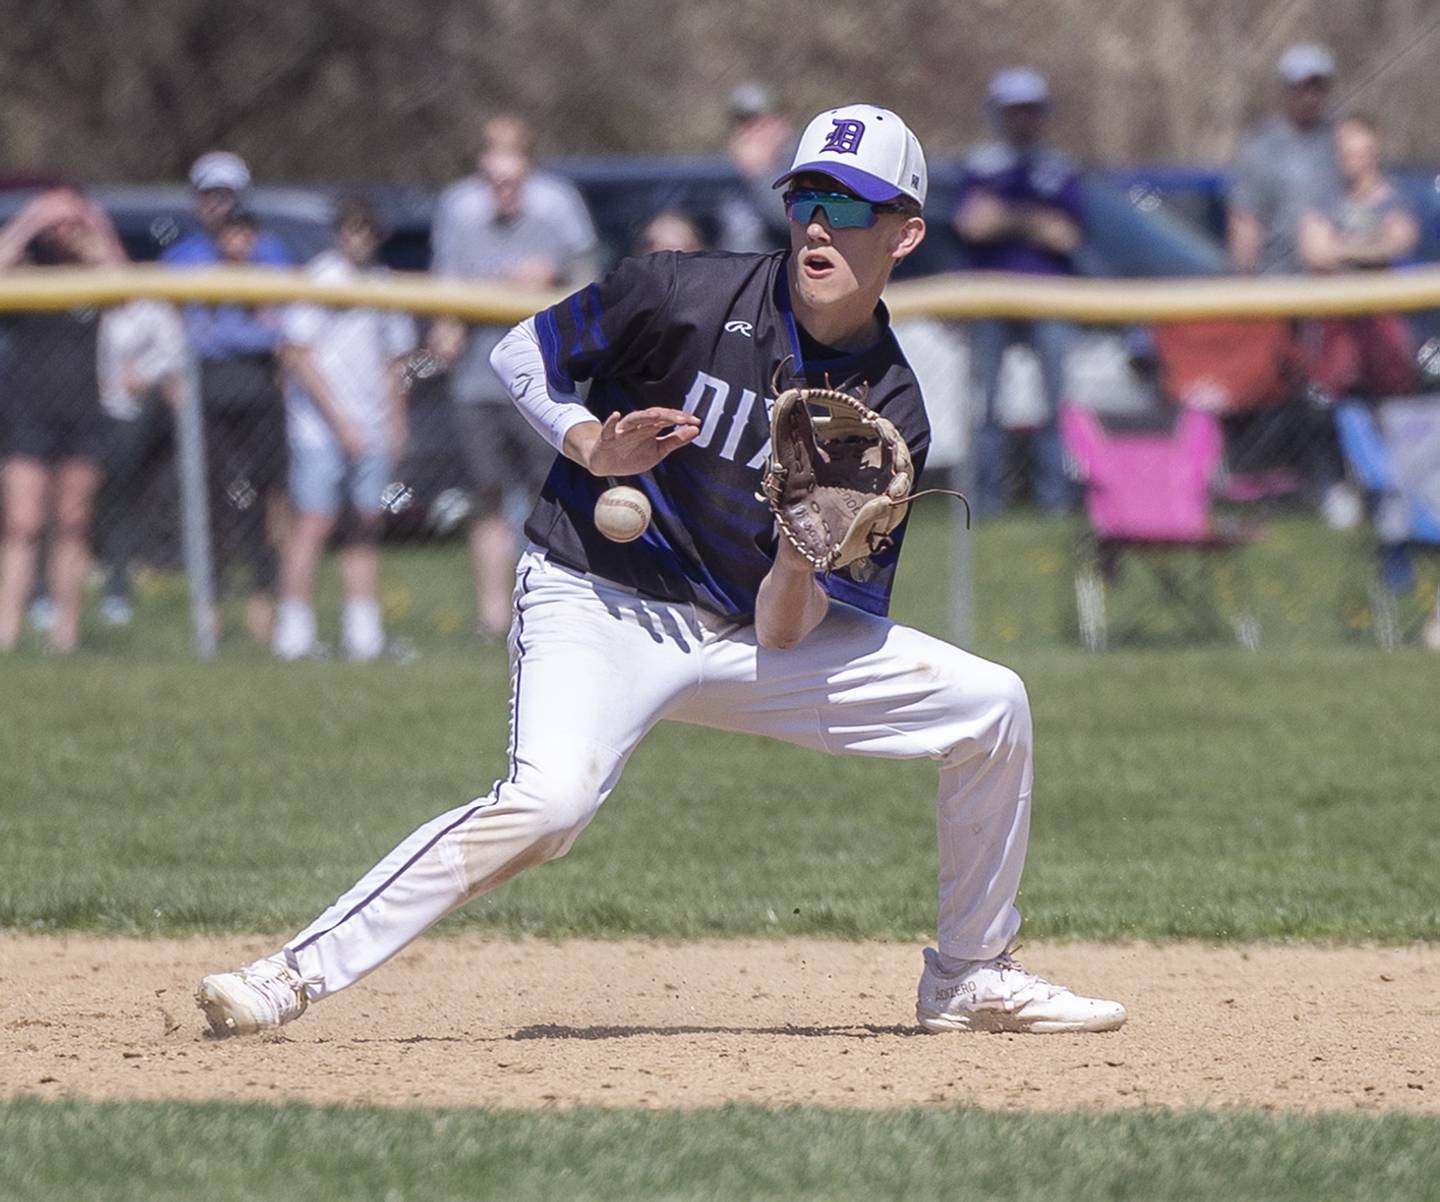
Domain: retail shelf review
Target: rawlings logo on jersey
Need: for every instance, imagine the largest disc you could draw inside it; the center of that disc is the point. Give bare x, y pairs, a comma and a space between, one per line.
739, 327
845, 137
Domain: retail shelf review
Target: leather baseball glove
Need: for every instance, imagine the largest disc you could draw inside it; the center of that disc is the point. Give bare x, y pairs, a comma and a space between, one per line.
839, 478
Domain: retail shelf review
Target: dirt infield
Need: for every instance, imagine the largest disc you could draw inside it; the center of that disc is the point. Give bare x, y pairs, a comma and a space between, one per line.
467, 1022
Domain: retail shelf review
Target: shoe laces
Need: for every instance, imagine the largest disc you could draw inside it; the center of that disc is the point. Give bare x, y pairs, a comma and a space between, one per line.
282, 985
1035, 988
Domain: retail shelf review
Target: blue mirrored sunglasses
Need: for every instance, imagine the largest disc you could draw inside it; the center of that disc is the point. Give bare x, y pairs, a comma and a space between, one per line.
842, 211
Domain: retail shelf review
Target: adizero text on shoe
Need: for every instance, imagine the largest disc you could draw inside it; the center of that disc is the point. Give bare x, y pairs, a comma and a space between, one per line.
258, 997
999, 995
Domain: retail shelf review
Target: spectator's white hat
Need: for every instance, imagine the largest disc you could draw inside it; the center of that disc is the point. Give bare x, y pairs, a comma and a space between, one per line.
868, 149
751, 99
1306, 61
220, 169
1018, 85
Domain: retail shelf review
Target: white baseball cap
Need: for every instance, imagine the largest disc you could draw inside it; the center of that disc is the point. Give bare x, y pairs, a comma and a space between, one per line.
220, 169
1018, 85
867, 149
1306, 61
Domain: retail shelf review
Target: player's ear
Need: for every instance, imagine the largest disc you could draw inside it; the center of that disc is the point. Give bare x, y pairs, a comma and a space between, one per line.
908, 235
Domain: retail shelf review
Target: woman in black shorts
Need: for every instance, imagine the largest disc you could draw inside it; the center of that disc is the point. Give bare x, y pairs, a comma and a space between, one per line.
52, 429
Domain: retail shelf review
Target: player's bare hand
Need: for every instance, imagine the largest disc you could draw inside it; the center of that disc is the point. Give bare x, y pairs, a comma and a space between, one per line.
633, 443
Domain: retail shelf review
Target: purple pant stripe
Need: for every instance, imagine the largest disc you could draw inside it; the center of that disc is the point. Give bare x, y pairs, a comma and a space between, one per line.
519, 661
468, 814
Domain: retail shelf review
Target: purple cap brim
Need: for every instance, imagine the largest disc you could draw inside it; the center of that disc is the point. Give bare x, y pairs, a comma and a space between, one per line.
862, 183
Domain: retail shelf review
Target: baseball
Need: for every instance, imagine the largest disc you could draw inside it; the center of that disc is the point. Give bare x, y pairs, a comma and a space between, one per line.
622, 514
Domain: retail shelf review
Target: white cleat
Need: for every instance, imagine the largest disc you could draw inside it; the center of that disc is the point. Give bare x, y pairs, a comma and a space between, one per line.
258, 997
999, 995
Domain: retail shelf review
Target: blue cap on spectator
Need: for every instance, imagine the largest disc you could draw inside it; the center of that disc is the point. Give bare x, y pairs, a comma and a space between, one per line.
1306, 61
220, 169
1018, 85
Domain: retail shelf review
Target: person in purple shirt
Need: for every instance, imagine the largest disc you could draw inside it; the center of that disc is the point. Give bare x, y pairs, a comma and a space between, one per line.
1018, 209
244, 409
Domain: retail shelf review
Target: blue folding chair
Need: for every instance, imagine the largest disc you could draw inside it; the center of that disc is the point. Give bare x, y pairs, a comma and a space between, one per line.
1392, 450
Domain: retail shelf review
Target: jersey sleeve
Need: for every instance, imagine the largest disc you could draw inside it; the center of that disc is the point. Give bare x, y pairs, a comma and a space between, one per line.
610, 329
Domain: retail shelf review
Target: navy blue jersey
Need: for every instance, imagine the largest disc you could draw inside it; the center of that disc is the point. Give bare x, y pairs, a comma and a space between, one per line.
705, 333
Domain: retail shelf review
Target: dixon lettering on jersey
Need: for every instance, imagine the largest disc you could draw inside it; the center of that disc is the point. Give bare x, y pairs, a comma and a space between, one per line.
712, 393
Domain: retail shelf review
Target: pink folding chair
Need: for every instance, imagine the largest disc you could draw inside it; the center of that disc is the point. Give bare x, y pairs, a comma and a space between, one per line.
1149, 482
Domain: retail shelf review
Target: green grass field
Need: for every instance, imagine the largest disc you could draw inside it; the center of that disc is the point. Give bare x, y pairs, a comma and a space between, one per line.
1199, 793
1204, 794
172, 1153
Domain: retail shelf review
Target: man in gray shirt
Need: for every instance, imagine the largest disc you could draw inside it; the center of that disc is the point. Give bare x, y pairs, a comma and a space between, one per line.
506, 223
1284, 166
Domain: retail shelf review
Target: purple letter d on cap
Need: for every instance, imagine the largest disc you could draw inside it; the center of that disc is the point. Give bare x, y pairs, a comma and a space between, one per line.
845, 137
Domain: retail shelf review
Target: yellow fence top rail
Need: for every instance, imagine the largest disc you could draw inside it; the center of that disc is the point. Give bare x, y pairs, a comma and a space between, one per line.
977, 294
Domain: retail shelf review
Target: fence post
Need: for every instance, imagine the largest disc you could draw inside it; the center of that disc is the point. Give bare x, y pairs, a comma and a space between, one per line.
195, 512
962, 550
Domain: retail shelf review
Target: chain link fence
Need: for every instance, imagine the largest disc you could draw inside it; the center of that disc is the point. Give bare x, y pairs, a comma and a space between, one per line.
254, 475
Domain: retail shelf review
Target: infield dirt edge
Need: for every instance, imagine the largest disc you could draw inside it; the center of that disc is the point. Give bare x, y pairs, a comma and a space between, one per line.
503, 1023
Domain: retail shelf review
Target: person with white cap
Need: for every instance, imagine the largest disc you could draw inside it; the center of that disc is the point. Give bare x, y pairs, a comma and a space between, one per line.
760, 142
511, 223
1283, 167
1018, 209
709, 617
235, 346
219, 180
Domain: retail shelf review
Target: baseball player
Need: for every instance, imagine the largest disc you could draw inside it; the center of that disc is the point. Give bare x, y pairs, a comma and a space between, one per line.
708, 617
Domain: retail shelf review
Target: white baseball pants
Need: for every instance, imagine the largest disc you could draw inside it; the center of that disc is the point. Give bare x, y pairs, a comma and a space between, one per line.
594, 667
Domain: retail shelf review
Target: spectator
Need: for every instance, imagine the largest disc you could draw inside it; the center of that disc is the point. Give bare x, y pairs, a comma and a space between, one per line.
144, 361
54, 433
513, 224
1018, 209
244, 413
760, 145
670, 229
219, 181
239, 388
1368, 225
1283, 167
346, 407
